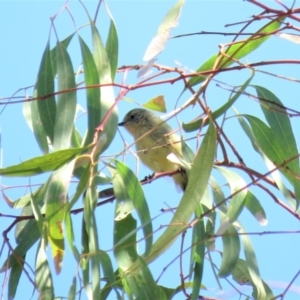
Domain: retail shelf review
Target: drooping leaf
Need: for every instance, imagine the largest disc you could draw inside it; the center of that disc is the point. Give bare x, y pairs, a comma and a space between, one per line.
107, 98
43, 277
112, 48
252, 265
14, 278
279, 122
66, 42
66, 101
198, 252
32, 117
125, 242
92, 243
255, 208
231, 251
270, 145
236, 204
91, 77
41, 164
46, 107
128, 191
237, 51
57, 198
141, 283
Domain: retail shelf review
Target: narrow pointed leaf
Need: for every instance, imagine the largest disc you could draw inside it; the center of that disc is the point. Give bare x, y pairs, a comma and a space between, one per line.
57, 195
135, 192
72, 291
255, 208
66, 102
237, 51
92, 94
45, 86
231, 251
107, 94
125, 249
90, 202
14, 278
41, 164
53, 52
112, 48
271, 147
141, 283
280, 124
199, 236
32, 117
43, 277
236, 204
252, 265
31, 235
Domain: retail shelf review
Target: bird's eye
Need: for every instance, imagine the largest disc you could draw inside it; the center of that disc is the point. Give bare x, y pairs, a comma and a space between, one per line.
131, 117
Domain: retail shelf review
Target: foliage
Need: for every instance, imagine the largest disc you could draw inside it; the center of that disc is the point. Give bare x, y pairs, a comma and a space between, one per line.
204, 209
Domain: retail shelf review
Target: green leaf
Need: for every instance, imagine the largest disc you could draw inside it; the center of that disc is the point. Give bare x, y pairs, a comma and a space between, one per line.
72, 291
269, 143
92, 243
188, 127
255, 208
203, 164
141, 283
81, 186
85, 255
57, 195
41, 164
108, 271
240, 273
66, 101
53, 52
236, 51
30, 234
14, 278
236, 205
247, 129
32, 117
130, 187
252, 265
275, 174
231, 251
71, 237
112, 48
107, 93
218, 195
45, 86
43, 277
92, 94
280, 124
125, 242
198, 252
158, 104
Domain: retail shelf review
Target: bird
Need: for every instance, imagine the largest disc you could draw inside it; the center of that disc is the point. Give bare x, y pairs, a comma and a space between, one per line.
154, 141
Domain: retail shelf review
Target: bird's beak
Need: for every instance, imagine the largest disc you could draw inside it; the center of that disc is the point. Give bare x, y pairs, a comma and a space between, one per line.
122, 124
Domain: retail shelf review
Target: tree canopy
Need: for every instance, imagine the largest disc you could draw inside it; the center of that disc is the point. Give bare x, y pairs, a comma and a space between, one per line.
87, 211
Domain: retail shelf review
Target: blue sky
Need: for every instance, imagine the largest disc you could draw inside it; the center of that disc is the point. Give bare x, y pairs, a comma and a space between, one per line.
24, 31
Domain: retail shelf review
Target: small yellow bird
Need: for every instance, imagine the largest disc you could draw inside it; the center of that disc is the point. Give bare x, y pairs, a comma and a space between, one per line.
155, 140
